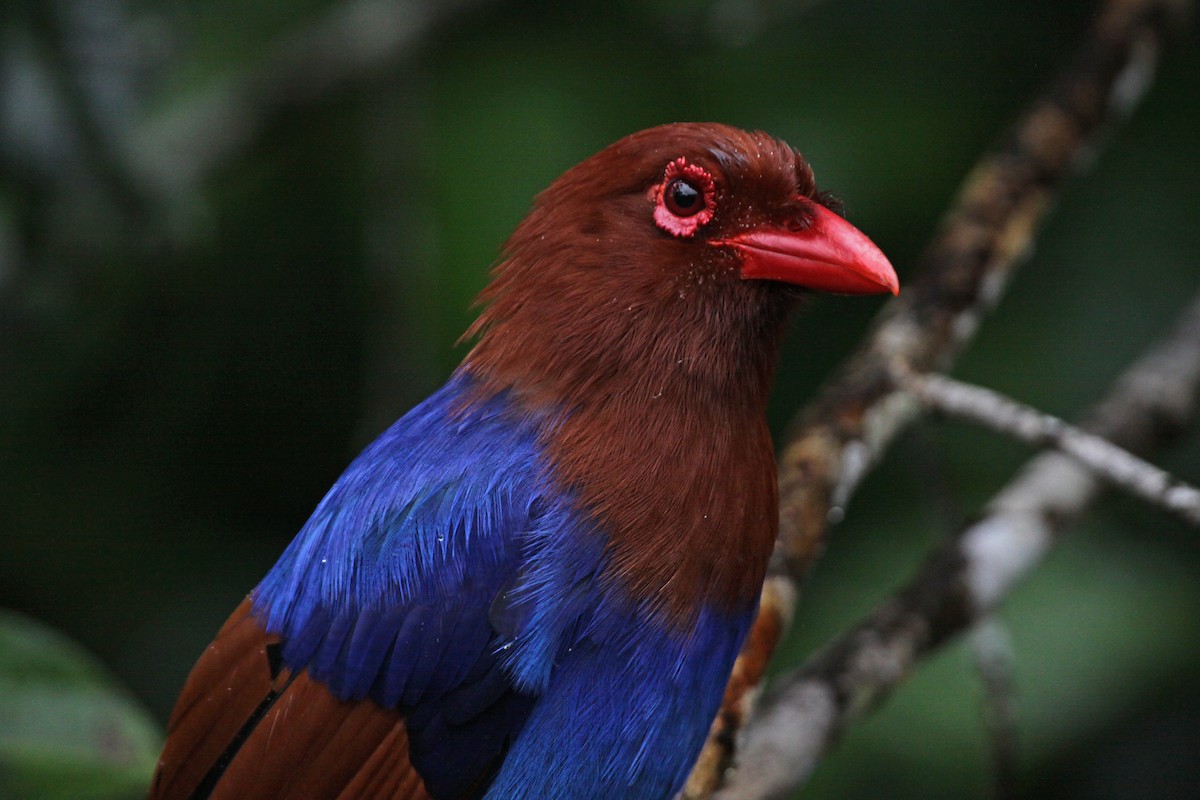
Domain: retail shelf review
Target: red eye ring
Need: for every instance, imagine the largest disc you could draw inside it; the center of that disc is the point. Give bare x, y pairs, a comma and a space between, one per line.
685, 200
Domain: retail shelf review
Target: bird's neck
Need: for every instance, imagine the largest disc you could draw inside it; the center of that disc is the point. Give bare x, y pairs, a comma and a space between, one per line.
662, 439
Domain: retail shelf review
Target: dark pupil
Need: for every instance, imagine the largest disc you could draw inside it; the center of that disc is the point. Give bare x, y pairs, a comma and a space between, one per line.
684, 195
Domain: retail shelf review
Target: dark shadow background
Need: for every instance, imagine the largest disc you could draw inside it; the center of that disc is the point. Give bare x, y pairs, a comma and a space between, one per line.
186, 365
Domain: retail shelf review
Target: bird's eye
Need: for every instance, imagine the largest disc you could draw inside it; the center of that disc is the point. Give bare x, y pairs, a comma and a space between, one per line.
682, 199
685, 200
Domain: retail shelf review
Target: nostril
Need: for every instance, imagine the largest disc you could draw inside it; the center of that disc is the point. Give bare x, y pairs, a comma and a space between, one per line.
798, 215
799, 221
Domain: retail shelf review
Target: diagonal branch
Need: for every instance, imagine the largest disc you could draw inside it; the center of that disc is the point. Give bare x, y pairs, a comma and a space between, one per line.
1104, 459
962, 274
965, 579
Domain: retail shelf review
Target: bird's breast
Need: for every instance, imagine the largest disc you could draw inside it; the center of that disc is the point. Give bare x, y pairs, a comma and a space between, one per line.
687, 501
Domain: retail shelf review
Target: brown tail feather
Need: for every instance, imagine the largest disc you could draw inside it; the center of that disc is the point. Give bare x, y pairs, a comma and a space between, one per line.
241, 729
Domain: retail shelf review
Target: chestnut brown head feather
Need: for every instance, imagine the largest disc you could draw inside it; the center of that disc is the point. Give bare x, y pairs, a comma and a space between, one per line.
588, 278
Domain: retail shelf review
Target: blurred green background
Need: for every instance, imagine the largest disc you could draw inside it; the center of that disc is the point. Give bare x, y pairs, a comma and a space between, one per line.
208, 306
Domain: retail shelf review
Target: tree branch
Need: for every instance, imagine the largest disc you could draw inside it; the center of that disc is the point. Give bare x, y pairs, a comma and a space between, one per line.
1118, 467
964, 580
962, 274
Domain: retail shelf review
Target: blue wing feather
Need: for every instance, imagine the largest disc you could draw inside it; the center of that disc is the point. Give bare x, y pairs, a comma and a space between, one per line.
634, 701
427, 520
386, 591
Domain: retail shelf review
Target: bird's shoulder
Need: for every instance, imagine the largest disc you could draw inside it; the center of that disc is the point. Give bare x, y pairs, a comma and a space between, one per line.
446, 486
442, 575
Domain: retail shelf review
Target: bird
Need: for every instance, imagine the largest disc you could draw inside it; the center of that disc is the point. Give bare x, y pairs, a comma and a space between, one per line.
534, 584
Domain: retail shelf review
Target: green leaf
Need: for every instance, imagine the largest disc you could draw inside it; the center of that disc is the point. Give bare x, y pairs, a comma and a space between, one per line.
67, 729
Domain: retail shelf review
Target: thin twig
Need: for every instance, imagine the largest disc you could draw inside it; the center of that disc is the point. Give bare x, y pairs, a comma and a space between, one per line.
965, 579
1118, 467
992, 650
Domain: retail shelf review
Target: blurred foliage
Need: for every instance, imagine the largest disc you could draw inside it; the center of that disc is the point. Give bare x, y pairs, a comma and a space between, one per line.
67, 729
187, 361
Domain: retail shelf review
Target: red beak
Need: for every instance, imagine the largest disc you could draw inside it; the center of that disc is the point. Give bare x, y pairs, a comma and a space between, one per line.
830, 255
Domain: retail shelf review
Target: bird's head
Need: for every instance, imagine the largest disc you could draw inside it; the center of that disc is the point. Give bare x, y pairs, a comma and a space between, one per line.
682, 243
748, 206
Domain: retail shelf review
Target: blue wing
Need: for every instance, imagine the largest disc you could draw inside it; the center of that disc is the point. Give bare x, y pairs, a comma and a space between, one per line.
431, 579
